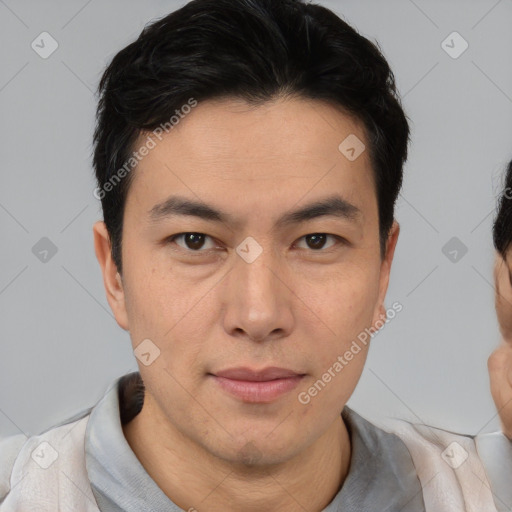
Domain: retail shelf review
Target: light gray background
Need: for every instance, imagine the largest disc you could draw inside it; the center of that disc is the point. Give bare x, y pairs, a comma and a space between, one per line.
60, 345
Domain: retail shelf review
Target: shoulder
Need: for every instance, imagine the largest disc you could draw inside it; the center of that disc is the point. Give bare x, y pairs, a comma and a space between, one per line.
9, 450
31, 469
495, 451
432, 445
453, 465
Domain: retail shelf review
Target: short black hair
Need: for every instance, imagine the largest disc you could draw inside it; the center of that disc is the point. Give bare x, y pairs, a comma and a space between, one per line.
502, 227
255, 50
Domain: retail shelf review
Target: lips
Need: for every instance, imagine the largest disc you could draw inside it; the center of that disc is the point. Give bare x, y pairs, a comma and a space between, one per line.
257, 386
246, 374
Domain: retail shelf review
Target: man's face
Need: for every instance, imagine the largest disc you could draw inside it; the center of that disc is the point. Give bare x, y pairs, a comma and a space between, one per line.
212, 303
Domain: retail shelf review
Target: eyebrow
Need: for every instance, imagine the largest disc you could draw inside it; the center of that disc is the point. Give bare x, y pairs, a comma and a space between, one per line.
334, 206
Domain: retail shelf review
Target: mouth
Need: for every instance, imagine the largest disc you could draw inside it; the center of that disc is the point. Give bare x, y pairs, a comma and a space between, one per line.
257, 386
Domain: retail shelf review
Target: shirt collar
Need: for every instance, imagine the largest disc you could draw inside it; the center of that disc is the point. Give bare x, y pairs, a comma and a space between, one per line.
381, 473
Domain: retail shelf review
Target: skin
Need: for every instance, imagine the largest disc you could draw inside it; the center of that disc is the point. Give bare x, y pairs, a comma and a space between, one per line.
295, 306
500, 361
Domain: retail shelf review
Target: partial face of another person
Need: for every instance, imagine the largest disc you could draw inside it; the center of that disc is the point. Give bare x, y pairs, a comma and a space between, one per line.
499, 362
503, 295
246, 284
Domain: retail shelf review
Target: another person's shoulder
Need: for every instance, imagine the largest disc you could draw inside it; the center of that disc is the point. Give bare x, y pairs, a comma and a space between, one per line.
465, 468
9, 450
31, 466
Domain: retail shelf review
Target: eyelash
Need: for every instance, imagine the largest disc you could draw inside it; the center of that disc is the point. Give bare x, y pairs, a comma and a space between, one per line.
340, 241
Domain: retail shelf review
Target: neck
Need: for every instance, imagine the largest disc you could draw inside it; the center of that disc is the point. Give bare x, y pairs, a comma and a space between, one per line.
193, 478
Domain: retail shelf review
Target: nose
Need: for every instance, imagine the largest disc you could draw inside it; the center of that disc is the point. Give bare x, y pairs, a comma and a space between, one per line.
258, 299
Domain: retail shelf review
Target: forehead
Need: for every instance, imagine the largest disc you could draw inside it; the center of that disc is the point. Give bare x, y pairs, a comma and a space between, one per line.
227, 149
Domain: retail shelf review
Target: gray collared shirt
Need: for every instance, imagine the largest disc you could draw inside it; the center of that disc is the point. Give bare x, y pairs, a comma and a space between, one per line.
381, 475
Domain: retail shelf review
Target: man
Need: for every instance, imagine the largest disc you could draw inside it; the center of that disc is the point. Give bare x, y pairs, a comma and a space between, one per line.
248, 154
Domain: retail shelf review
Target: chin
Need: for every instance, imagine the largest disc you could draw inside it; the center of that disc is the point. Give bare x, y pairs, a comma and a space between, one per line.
254, 452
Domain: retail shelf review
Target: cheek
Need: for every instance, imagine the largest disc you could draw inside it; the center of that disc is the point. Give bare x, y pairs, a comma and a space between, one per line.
142, 299
174, 313
504, 314
345, 305
330, 387
347, 301
150, 305
503, 300
153, 291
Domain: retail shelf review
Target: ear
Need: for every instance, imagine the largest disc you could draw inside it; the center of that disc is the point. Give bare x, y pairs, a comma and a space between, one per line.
385, 271
111, 278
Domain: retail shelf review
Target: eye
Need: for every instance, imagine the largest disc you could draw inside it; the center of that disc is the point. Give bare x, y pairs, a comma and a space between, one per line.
316, 241
193, 241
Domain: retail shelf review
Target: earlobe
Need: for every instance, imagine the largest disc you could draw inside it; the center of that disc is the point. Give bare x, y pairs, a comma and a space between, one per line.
112, 280
380, 319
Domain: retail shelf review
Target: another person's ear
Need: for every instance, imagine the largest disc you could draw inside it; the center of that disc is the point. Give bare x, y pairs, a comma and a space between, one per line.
111, 278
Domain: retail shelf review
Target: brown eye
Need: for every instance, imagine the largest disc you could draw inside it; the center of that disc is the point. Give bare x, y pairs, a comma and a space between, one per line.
317, 241
192, 241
